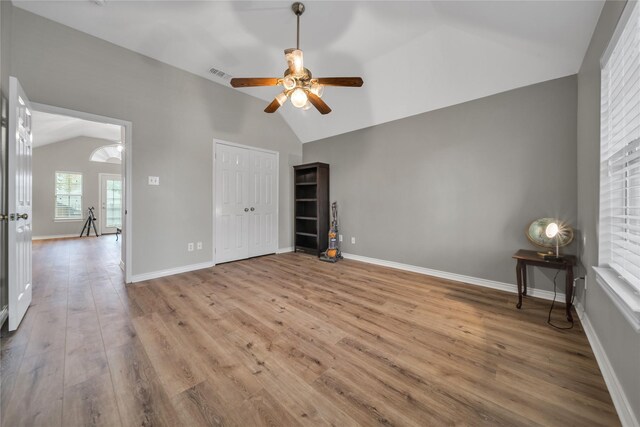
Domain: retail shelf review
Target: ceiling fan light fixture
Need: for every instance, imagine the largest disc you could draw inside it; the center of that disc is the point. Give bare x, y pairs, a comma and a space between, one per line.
295, 61
289, 82
317, 89
299, 98
299, 85
281, 97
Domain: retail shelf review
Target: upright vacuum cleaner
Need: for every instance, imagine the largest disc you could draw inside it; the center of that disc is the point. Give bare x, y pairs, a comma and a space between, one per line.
332, 254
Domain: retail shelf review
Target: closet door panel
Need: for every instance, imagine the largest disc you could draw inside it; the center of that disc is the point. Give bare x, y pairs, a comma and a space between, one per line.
263, 222
232, 199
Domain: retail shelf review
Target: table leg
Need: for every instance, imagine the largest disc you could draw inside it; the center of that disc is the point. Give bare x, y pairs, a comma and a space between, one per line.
569, 292
519, 281
524, 279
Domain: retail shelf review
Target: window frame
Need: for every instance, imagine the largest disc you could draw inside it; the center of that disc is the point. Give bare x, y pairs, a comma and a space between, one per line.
55, 197
624, 294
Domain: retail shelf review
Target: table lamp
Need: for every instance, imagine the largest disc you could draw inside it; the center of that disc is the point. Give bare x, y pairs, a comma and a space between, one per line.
557, 231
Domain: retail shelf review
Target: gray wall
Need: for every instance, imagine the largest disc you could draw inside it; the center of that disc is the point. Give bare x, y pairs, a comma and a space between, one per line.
175, 115
66, 156
454, 189
621, 343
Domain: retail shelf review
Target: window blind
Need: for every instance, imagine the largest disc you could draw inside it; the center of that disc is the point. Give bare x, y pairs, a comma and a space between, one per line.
619, 246
68, 195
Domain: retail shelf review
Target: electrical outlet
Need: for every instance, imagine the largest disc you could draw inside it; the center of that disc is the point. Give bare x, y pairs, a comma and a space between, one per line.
199, 246
190, 247
340, 237
154, 180
353, 240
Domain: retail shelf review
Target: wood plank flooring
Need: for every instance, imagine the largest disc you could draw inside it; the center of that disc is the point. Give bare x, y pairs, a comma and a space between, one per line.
286, 340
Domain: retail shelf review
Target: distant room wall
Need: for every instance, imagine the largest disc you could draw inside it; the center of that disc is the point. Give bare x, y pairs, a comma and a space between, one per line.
66, 156
453, 189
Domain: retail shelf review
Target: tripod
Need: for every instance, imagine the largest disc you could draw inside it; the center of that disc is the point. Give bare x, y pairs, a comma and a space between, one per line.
91, 221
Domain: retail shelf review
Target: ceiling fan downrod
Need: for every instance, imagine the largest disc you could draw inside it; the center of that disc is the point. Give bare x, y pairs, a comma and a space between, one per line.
298, 9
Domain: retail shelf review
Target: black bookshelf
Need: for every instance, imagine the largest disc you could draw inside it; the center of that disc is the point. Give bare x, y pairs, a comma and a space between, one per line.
311, 208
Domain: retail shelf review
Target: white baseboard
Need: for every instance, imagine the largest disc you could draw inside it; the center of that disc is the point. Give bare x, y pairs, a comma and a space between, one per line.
59, 236
507, 287
284, 250
169, 272
619, 398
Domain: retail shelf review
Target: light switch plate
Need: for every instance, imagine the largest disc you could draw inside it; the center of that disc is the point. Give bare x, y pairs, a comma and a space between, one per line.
154, 180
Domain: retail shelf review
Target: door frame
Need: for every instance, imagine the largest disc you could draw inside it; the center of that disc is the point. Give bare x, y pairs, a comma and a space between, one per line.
127, 174
217, 142
101, 175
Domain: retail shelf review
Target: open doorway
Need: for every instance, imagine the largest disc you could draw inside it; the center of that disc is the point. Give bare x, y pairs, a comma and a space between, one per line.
80, 167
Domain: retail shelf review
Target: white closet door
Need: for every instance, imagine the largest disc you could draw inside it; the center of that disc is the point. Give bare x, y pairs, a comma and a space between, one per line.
263, 213
232, 203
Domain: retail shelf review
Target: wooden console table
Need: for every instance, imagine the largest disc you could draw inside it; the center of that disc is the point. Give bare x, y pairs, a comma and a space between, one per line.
525, 257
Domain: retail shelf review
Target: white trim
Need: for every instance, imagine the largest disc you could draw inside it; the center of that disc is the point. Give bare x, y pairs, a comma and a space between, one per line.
620, 25
622, 296
507, 287
618, 396
58, 236
169, 272
121, 265
248, 147
284, 250
127, 176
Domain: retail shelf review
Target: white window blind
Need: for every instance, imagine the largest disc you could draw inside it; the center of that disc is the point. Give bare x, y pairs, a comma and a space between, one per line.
68, 195
619, 234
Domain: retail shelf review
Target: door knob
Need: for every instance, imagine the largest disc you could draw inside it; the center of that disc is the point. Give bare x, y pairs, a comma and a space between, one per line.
23, 216
246, 209
4, 217
253, 209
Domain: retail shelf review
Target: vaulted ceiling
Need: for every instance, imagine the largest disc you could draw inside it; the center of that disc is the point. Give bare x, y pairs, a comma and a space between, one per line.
51, 128
414, 56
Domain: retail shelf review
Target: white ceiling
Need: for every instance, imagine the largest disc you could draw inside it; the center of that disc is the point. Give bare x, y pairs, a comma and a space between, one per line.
51, 128
414, 56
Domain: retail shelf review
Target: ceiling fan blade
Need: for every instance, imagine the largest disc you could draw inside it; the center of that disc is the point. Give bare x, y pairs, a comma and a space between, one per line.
341, 81
254, 81
318, 103
271, 108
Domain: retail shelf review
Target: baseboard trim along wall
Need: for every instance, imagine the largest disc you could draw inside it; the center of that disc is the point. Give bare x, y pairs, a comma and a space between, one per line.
59, 236
620, 401
507, 287
170, 272
284, 250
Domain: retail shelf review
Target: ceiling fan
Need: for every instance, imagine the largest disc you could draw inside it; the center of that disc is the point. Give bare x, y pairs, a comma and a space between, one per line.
299, 85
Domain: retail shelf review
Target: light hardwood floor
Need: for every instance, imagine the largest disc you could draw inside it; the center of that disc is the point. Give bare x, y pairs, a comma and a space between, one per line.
286, 340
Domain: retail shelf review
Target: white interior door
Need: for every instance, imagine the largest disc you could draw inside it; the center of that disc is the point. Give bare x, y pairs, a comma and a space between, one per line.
19, 203
110, 203
263, 212
232, 203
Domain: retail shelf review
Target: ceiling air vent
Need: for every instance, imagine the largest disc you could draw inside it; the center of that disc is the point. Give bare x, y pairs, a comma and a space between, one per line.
220, 74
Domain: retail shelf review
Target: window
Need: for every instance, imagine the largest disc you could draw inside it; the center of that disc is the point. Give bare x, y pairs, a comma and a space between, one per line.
619, 234
68, 196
